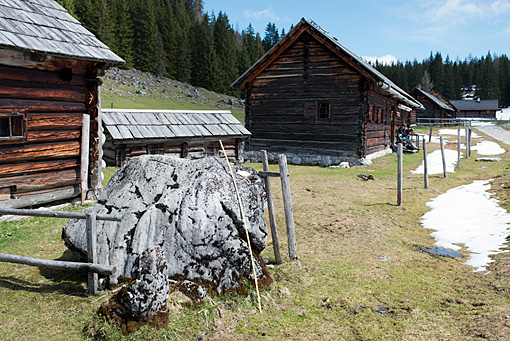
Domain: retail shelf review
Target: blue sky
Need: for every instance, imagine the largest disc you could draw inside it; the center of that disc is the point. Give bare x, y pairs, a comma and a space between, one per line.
405, 30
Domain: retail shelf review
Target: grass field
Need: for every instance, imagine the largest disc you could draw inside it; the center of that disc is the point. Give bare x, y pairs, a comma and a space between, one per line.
162, 94
361, 274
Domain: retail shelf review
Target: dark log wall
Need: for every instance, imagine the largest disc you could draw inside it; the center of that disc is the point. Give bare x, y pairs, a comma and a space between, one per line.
489, 114
44, 166
431, 109
382, 118
283, 102
117, 154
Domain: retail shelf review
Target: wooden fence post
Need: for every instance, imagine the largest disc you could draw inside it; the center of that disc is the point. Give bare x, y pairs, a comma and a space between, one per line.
270, 208
90, 222
84, 162
458, 148
443, 157
469, 141
399, 174
425, 164
430, 134
287, 202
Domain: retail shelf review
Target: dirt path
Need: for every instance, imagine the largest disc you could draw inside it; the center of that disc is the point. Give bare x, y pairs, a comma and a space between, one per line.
498, 133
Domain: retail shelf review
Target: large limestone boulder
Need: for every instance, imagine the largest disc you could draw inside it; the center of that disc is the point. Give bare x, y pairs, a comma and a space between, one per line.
188, 208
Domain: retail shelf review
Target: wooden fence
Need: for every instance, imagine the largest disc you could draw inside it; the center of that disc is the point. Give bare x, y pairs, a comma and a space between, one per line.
92, 267
443, 122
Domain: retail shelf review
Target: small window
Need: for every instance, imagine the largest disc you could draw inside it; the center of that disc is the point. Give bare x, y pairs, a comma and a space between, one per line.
12, 125
323, 110
154, 149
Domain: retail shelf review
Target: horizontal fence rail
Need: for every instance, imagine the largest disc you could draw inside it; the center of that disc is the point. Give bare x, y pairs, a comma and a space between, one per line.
56, 264
57, 214
443, 122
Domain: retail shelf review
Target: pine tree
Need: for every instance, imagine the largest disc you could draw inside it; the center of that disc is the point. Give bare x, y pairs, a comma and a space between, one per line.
437, 74
504, 80
271, 38
489, 87
105, 23
144, 36
183, 60
226, 50
123, 29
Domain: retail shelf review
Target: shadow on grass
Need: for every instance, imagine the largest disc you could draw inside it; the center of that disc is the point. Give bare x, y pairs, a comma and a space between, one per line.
57, 275
66, 288
62, 281
382, 204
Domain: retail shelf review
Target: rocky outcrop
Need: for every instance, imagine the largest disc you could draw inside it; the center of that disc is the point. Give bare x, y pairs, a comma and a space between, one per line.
188, 208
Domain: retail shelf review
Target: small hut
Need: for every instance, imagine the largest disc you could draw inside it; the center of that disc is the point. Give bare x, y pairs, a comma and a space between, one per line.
435, 105
312, 98
50, 146
190, 133
485, 109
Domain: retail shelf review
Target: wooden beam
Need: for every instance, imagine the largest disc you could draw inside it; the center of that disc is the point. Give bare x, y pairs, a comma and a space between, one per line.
57, 214
41, 181
270, 208
42, 197
36, 167
287, 203
55, 264
84, 160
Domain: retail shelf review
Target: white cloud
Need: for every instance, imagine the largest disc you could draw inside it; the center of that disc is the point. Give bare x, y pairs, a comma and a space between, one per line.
267, 14
385, 60
462, 11
501, 6
456, 10
507, 30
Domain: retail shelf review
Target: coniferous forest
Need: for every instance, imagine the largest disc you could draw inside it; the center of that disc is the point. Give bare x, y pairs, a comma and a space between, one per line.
177, 39
490, 75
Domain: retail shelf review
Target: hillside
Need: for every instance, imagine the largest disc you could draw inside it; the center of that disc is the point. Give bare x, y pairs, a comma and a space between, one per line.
134, 89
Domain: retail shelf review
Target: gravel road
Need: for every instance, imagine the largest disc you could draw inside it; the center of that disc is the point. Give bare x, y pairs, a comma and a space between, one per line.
496, 132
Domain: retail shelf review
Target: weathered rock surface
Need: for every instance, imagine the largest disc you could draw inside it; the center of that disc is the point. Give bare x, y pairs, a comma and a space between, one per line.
187, 207
144, 299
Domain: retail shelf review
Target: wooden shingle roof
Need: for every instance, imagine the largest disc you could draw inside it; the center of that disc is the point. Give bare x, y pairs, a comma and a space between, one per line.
43, 26
488, 104
438, 102
123, 124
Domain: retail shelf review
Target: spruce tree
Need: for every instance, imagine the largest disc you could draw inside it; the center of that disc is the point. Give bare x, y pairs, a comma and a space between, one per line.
144, 35
226, 50
123, 29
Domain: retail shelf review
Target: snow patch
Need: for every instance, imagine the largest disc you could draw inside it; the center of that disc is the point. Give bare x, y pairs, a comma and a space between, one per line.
455, 132
467, 215
435, 162
368, 159
488, 148
504, 114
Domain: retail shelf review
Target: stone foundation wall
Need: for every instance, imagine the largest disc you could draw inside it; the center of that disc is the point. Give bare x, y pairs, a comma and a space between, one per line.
304, 159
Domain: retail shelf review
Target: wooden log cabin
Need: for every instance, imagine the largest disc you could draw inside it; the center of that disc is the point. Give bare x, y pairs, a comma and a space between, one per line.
435, 106
189, 133
312, 98
484, 109
50, 148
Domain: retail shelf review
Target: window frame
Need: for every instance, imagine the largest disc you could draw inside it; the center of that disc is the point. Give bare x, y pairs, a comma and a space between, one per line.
10, 114
318, 113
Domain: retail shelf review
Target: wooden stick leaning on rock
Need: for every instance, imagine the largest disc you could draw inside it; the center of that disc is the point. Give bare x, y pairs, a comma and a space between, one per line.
245, 226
